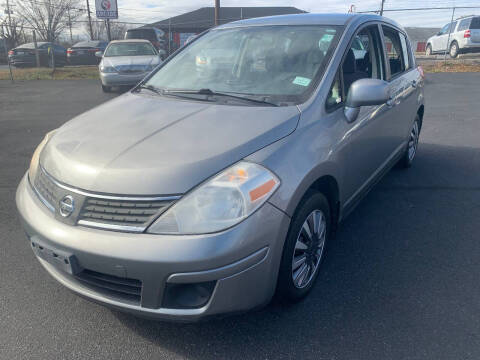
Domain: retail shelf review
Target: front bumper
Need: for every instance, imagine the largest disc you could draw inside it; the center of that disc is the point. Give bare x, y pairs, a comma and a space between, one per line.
242, 262
116, 79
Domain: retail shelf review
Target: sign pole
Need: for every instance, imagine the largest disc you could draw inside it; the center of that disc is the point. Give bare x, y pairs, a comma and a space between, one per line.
109, 35
8, 60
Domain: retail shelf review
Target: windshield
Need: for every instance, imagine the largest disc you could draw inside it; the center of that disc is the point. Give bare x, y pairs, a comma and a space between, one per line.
282, 62
130, 49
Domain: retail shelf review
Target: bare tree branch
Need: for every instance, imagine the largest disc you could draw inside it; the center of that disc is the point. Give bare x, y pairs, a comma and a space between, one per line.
48, 17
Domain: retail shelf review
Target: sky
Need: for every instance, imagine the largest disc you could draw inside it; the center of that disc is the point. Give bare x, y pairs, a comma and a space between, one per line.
147, 11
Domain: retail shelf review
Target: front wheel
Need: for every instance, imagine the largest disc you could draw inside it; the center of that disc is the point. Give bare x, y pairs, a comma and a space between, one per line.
428, 51
304, 248
412, 146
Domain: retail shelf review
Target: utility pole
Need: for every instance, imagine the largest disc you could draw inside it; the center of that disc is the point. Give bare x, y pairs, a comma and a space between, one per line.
217, 11
70, 25
10, 31
381, 8
9, 16
448, 40
90, 20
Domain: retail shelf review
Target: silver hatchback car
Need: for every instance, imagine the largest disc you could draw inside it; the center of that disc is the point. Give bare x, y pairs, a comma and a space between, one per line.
220, 179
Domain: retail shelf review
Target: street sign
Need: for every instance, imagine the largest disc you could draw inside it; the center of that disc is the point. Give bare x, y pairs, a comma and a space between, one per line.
106, 9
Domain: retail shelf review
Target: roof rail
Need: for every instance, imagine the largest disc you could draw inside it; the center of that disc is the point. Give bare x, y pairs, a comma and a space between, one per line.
464, 16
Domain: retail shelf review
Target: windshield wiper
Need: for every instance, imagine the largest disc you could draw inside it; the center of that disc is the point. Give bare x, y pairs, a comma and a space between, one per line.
216, 93
151, 88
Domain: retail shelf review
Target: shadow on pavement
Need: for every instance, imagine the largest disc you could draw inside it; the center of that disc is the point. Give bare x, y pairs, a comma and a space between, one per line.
393, 283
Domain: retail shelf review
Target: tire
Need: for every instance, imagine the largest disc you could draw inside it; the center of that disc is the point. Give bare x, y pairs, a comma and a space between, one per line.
428, 50
407, 159
292, 284
106, 89
454, 50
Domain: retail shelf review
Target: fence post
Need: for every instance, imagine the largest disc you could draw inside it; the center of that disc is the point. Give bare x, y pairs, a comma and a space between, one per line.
8, 60
448, 40
37, 55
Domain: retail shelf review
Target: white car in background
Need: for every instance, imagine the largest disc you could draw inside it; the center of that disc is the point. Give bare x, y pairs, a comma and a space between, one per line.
460, 36
127, 62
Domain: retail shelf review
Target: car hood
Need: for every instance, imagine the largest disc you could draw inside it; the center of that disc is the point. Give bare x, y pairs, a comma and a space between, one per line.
139, 144
126, 61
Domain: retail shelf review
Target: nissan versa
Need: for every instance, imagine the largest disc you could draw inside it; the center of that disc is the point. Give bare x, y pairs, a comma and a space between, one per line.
218, 181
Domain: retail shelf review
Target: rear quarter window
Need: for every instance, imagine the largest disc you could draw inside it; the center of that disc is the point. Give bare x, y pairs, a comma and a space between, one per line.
464, 24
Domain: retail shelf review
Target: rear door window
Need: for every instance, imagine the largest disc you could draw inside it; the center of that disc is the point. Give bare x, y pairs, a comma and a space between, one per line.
453, 26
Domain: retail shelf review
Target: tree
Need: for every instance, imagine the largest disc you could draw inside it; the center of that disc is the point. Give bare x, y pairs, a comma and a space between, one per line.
11, 31
48, 17
117, 30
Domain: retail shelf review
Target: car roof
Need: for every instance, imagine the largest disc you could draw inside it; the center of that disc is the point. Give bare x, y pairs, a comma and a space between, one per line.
32, 45
309, 19
130, 41
90, 43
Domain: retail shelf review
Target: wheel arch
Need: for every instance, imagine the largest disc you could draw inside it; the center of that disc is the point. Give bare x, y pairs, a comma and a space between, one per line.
328, 186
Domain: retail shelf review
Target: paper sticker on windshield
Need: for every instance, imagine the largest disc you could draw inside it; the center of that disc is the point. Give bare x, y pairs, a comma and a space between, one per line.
302, 81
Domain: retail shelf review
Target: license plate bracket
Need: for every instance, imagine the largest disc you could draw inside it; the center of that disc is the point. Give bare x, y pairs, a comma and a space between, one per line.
60, 259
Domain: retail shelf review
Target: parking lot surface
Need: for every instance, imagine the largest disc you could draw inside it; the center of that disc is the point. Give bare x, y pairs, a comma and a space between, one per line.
401, 280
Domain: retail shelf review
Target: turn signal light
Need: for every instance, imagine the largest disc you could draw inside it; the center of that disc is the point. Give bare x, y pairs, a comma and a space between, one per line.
467, 34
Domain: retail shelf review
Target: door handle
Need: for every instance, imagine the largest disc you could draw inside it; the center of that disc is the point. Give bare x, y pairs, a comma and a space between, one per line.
391, 102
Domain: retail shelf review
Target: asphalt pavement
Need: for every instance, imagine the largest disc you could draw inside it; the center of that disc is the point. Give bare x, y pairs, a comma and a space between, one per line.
401, 280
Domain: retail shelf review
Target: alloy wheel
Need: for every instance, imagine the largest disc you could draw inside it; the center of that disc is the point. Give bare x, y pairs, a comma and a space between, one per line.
413, 142
309, 249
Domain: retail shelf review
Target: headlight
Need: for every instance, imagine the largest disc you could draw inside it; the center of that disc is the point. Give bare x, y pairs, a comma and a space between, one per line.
32, 170
107, 69
220, 203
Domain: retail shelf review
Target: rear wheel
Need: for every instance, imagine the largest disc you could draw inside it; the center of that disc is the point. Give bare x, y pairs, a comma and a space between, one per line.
106, 89
428, 50
412, 146
454, 50
304, 248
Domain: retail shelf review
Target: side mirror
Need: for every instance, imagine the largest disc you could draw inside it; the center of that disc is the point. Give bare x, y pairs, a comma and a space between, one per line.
365, 92
99, 54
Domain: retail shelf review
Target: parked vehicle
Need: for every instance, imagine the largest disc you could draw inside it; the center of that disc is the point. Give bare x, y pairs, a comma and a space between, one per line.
24, 55
203, 192
83, 53
154, 35
126, 62
460, 36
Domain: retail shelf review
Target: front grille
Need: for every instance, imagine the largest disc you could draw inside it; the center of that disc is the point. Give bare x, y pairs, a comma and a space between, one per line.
131, 69
46, 189
124, 289
111, 212
121, 212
